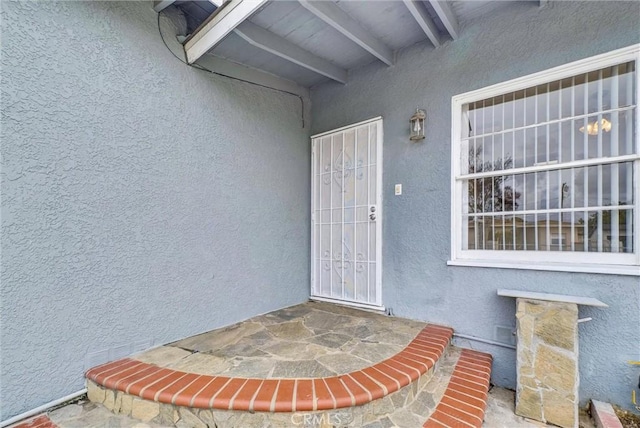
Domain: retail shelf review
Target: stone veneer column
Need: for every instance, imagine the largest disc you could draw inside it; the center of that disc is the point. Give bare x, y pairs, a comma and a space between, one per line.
547, 363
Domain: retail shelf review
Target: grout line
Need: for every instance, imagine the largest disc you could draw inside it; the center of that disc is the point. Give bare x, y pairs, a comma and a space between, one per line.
253, 399
272, 407
213, 397
201, 389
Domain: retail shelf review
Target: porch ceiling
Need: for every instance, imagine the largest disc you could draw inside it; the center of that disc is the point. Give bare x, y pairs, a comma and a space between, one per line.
313, 41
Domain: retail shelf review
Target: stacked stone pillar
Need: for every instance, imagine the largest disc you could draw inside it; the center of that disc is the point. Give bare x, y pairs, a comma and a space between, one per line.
547, 363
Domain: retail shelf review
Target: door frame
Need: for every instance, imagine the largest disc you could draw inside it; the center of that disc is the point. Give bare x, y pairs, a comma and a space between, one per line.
379, 218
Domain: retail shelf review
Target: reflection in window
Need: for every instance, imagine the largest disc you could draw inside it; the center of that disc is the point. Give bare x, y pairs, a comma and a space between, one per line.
548, 168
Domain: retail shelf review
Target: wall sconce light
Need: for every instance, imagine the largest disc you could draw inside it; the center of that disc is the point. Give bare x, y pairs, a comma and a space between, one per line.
594, 127
417, 125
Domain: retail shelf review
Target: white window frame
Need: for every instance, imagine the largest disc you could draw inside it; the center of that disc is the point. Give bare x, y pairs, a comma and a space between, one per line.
611, 263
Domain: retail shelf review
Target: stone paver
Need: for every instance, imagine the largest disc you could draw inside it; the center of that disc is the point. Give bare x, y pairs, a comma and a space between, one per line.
163, 355
301, 369
291, 330
343, 363
309, 340
331, 340
217, 339
251, 367
87, 414
202, 363
373, 351
289, 350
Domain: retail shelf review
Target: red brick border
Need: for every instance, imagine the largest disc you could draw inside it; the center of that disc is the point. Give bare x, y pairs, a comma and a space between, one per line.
41, 421
276, 395
604, 415
465, 398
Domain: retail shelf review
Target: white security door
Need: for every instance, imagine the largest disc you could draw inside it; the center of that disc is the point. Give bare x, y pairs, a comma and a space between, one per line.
346, 211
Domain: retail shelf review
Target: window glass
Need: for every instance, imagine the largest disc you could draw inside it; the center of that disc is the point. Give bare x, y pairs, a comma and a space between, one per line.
542, 167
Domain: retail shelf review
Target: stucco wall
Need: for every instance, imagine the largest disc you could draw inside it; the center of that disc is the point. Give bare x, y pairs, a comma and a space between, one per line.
142, 200
417, 283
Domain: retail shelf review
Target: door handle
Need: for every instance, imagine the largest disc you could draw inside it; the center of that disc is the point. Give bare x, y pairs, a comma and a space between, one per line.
372, 216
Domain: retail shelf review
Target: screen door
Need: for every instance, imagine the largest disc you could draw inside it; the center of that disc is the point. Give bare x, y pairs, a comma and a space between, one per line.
346, 210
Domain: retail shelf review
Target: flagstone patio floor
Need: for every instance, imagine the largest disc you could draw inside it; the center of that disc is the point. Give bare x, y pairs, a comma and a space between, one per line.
310, 340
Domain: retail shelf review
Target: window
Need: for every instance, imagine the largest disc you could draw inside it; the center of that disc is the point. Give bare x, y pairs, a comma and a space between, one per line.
546, 170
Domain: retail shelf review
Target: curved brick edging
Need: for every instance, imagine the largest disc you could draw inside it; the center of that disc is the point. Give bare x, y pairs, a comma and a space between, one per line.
41, 421
465, 398
179, 388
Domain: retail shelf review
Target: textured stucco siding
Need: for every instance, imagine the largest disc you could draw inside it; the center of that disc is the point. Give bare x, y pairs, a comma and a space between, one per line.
142, 200
509, 43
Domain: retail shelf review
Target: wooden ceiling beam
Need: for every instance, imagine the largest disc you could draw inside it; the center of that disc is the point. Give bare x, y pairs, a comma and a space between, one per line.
330, 13
446, 15
423, 19
239, 71
279, 46
223, 21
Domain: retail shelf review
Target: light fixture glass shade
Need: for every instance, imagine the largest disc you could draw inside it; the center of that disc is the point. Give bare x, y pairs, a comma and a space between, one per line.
417, 125
594, 127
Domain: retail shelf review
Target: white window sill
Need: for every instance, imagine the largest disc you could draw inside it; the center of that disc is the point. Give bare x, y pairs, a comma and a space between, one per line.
559, 267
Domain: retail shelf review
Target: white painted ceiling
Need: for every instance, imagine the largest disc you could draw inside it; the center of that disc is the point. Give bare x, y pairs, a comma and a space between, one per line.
388, 21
